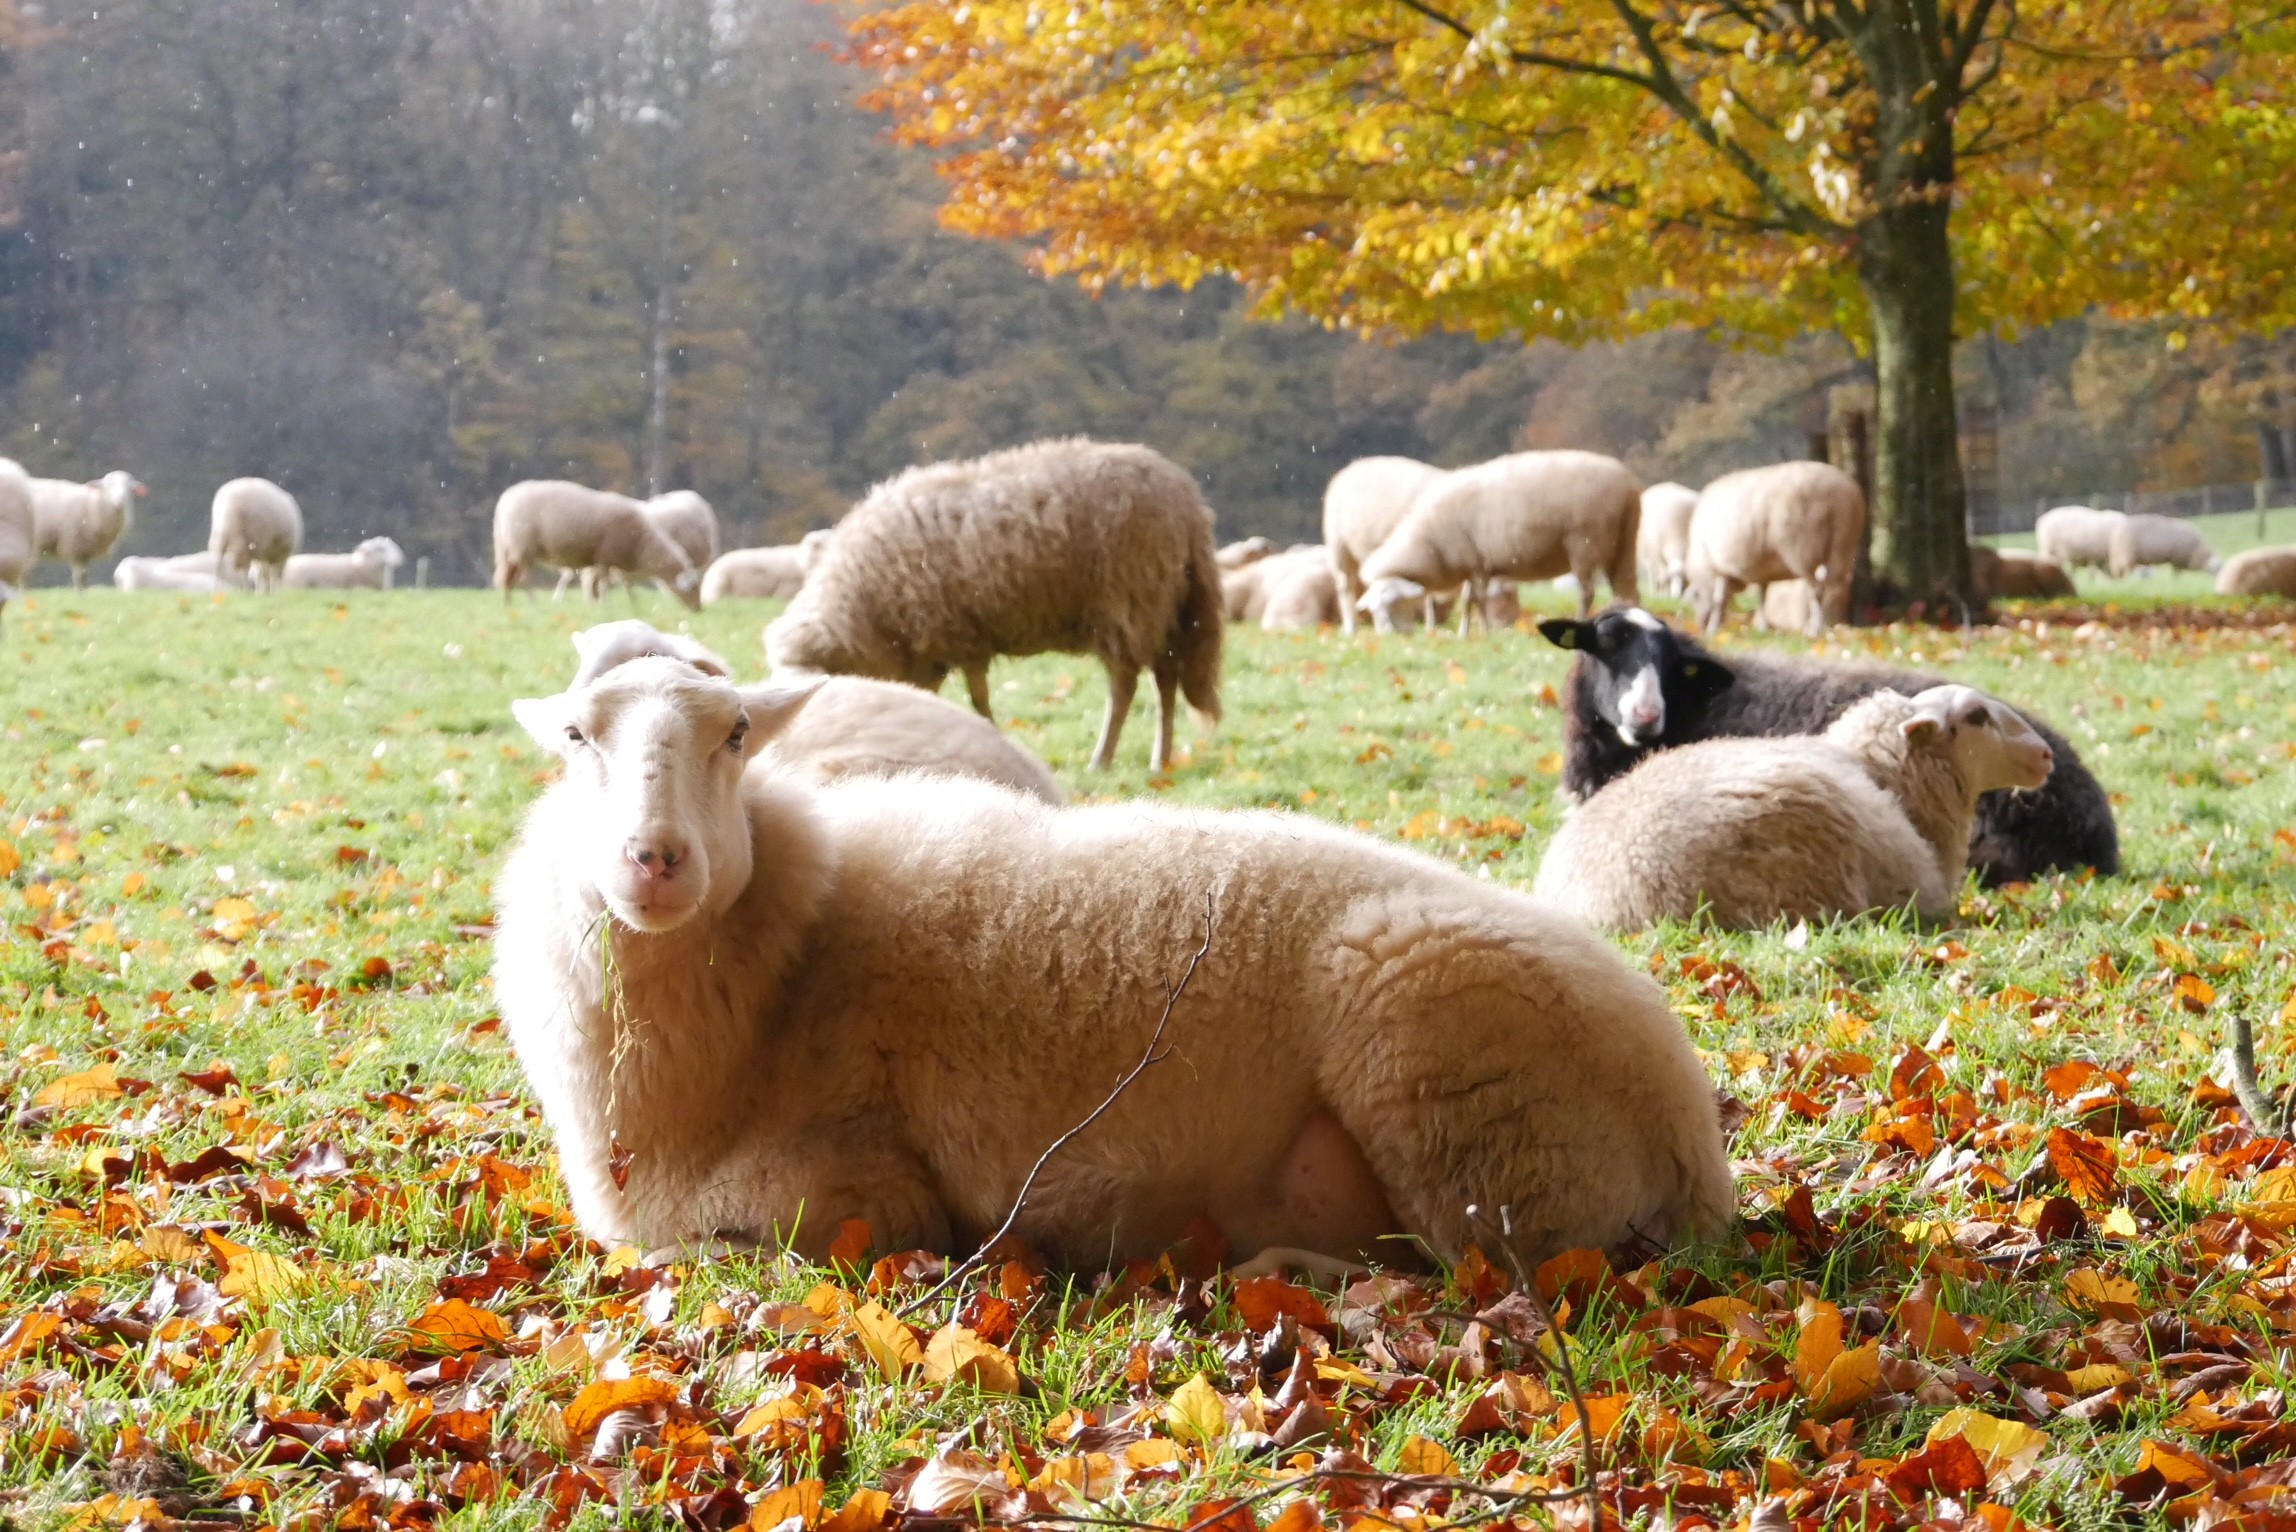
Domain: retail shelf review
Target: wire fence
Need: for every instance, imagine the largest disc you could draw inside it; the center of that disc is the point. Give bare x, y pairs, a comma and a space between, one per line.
2254, 498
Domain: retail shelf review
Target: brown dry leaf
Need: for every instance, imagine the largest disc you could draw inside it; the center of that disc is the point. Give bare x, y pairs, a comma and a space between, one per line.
102, 1083
956, 1480
2086, 1165
957, 1354
1426, 1458
453, 1325
603, 1398
865, 1512
891, 1344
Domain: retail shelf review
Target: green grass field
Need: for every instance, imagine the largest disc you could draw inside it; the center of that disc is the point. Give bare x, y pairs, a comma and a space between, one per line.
281, 1244
2228, 533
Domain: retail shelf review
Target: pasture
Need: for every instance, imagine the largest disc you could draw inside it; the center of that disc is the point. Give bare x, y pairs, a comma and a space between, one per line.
281, 1244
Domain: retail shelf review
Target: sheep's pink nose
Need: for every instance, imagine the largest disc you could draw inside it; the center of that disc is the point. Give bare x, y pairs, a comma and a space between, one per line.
657, 855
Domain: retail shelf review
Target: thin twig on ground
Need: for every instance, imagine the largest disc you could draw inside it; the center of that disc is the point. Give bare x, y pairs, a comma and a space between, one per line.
1499, 1500
1564, 1367
1151, 1055
2264, 1115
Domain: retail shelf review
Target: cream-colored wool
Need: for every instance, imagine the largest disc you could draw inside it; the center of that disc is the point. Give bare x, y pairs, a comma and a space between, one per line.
80, 523
2258, 572
682, 516
1362, 505
367, 567
2077, 536
1873, 814
1790, 521
2018, 573
253, 528
19, 529
1073, 545
1250, 551
863, 1001
2144, 542
1526, 516
183, 572
1662, 544
571, 527
756, 574
1306, 596
1244, 590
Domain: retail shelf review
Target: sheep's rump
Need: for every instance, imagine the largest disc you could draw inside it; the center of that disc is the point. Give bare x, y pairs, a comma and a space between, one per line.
854, 726
1527, 516
2076, 536
2258, 572
2139, 542
19, 528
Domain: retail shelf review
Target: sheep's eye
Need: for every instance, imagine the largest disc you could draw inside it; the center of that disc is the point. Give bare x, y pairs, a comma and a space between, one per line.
1980, 717
1690, 669
740, 733
574, 736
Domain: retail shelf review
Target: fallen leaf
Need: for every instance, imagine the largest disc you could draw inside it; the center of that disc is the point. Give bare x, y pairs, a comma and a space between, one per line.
453, 1325
2010, 1449
891, 1344
101, 1083
799, 1502
2086, 1165
259, 1274
603, 1398
1196, 1412
956, 1480
865, 1512
1426, 1458
956, 1353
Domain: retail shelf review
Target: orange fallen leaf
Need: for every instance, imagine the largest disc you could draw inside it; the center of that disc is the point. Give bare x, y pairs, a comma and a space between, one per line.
865, 1512
799, 1502
602, 1398
2086, 1165
891, 1344
956, 1354
102, 1083
454, 1325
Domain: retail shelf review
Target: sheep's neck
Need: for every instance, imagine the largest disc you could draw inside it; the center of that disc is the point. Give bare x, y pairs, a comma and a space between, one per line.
1940, 806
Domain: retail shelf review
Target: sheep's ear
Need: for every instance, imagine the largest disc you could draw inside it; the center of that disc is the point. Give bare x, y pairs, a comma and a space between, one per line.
1921, 728
773, 705
1567, 633
546, 719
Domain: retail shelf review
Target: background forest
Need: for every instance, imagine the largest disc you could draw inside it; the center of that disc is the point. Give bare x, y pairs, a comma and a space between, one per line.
397, 256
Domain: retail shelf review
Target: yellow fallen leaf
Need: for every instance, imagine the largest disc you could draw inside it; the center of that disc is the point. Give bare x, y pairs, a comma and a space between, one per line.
1427, 1459
1093, 1476
1819, 1342
714, 1316
799, 1408
453, 1325
10, 858
1152, 1453
955, 1353
603, 1398
829, 1300
2090, 1288
2276, 1185
1333, 1370
2276, 1217
259, 1274
1605, 1413
799, 1502
2120, 1223
2098, 1375
101, 1083
624, 1258
131, 885
865, 1512
1196, 1413
889, 1342
2010, 1449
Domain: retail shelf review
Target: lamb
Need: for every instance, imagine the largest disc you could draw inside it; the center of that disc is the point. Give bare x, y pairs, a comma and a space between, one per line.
2077, 537
1873, 814
572, 527
1662, 546
1250, 551
367, 566
80, 523
2141, 542
254, 524
1073, 545
764, 573
1638, 686
1306, 595
1787, 521
1997, 573
858, 1001
1362, 505
851, 725
2258, 572
1527, 516
19, 529
1244, 590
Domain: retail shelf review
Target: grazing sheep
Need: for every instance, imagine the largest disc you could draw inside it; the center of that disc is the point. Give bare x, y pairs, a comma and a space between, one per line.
1305, 596
682, 516
2077, 537
253, 525
1250, 551
1639, 686
852, 726
1527, 516
2015, 573
858, 1001
1244, 590
1662, 546
2141, 542
1074, 545
19, 529
80, 523
1870, 815
1391, 603
1362, 505
366, 567
1788, 606
1788, 521
2258, 572
572, 527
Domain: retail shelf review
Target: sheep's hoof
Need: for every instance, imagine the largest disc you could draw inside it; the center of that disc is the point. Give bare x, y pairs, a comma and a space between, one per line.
1277, 1259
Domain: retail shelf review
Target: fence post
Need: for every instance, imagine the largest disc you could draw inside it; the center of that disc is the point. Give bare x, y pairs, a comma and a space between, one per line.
422, 572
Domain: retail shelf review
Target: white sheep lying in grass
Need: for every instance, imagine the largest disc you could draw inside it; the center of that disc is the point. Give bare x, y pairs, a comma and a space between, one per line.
764, 573
1362, 505
2143, 542
1662, 543
19, 528
852, 726
864, 1002
2077, 536
1870, 815
1526, 516
1789, 521
80, 523
1250, 551
183, 572
2258, 572
1245, 588
255, 525
366, 567
571, 527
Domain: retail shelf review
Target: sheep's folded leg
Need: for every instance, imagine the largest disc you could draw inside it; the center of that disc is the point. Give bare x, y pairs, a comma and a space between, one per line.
1122, 680
1278, 1259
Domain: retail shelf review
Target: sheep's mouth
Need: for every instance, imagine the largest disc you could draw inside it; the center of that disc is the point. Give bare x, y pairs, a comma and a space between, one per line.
654, 917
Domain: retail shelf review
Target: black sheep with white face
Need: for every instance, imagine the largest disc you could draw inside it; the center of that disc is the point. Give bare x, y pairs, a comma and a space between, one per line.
1639, 685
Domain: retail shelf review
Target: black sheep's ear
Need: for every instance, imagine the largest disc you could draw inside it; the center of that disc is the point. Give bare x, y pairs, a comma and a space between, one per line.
1707, 675
1565, 633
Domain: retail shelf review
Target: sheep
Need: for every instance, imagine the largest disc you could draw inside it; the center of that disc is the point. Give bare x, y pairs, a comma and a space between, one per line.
1788, 606
764, 573
19, 529
1998, 573
1070, 545
2258, 572
1527, 516
1787, 521
2141, 542
682, 516
1362, 505
2076, 536
851, 725
572, 527
1306, 595
1250, 551
254, 525
80, 523
1662, 545
751, 1008
1391, 602
1873, 814
1638, 686
367, 566
176, 574
1244, 590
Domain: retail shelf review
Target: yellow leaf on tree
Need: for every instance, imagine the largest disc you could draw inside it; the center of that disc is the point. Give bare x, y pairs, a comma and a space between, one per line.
2009, 1449
890, 1343
955, 1353
1196, 1412
101, 1083
259, 1274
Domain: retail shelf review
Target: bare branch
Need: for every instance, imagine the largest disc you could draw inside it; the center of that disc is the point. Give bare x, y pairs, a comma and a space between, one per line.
2264, 1115
1564, 1367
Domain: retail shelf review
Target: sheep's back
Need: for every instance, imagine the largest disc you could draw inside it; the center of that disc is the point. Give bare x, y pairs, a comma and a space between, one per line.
1775, 523
2076, 535
1366, 500
2258, 572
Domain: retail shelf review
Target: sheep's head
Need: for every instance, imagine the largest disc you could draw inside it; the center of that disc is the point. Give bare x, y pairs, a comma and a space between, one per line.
381, 550
1990, 743
656, 747
601, 648
1383, 598
1640, 674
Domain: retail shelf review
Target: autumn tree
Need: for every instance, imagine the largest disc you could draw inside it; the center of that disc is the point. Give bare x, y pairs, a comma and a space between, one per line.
1904, 171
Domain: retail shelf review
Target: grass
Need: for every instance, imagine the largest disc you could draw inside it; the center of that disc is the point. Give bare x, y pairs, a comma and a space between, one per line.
245, 883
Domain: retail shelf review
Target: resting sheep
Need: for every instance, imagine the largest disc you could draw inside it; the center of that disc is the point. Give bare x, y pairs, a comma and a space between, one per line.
1250, 551
254, 527
366, 567
1074, 545
1639, 686
851, 726
1363, 503
2077, 537
2013, 573
1244, 590
2142, 542
1527, 516
573, 527
1662, 545
183, 572
1789, 521
757, 574
19, 529
1307, 596
80, 523
1873, 814
2258, 572
858, 1001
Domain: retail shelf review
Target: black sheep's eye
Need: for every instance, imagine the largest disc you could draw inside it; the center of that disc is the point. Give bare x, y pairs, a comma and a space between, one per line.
1690, 669
574, 736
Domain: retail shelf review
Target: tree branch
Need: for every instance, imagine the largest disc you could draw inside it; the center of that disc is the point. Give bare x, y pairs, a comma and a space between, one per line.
2263, 1113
